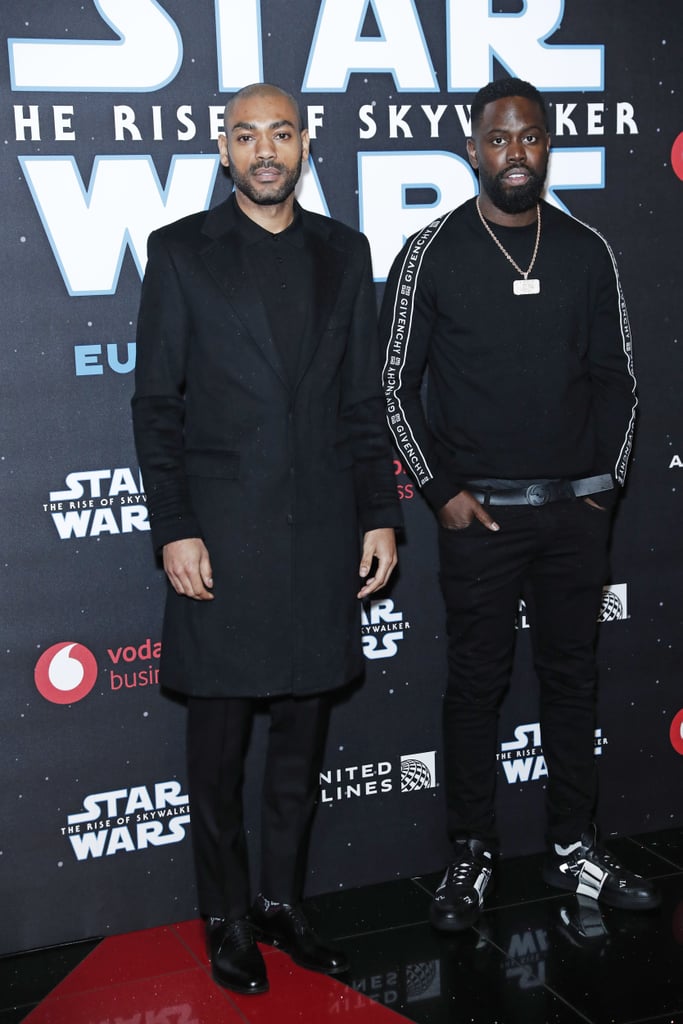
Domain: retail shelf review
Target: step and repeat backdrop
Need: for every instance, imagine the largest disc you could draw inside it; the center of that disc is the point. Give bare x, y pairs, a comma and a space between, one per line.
109, 116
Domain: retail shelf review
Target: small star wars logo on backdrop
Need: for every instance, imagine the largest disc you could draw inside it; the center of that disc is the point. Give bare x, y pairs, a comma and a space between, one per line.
67, 672
382, 628
128, 820
98, 501
412, 772
522, 758
614, 606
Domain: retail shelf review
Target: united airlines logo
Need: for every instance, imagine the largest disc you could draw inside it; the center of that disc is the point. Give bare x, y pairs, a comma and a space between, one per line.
410, 773
614, 606
614, 603
418, 771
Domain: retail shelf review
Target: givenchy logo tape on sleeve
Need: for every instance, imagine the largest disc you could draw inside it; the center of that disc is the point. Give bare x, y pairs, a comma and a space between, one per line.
621, 464
397, 351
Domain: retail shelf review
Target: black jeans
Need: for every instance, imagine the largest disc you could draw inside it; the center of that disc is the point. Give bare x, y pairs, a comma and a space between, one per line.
556, 557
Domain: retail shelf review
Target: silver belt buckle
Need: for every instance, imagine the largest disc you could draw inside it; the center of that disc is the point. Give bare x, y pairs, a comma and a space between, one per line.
538, 494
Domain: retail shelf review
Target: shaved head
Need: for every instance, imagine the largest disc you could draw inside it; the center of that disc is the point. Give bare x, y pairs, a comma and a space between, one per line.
260, 90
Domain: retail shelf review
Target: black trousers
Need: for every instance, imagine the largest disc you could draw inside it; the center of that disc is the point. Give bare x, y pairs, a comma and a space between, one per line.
218, 733
556, 557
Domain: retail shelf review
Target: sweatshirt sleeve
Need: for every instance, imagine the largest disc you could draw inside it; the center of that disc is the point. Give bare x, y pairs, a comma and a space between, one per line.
611, 369
406, 322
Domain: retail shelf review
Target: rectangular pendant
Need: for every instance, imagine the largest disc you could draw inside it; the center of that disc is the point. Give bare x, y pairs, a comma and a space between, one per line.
530, 286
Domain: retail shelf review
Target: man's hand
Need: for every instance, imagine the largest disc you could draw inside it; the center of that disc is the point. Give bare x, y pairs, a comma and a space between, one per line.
589, 501
458, 513
188, 568
380, 544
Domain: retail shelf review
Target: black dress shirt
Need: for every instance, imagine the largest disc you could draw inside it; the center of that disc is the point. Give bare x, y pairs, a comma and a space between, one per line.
282, 268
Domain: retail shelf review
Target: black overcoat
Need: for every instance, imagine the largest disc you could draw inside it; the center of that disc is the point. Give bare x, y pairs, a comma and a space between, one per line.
278, 478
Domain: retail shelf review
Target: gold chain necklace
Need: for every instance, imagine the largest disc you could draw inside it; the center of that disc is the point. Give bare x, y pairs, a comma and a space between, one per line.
527, 286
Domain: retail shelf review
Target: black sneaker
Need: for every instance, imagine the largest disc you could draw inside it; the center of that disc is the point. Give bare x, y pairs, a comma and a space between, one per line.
592, 871
459, 899
583, 924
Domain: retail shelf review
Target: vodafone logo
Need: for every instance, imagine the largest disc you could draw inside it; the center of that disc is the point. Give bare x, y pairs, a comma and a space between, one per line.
65, 673
677, 156
676, 732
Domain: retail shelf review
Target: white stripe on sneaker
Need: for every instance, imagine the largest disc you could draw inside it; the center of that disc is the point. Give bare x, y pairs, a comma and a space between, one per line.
591, 880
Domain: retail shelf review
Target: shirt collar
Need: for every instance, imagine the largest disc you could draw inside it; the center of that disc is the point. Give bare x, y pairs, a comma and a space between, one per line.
253, 234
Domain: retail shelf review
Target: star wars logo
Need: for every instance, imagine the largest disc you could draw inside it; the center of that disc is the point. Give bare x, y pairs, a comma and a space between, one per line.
525, 960
98, 501
382, 628
413, 772
522, 758
614, 606
128, 820
91, 222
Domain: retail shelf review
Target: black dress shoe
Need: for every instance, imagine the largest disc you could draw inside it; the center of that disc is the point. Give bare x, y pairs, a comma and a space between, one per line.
236, 960
286, 927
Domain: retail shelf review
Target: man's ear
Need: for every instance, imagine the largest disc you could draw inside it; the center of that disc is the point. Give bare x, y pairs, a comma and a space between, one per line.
223, 150
472, 153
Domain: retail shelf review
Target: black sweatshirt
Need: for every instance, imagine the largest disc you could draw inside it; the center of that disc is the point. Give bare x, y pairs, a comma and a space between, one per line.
518, 386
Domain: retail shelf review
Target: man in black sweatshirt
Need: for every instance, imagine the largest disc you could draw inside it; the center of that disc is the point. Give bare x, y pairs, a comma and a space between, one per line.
516, 311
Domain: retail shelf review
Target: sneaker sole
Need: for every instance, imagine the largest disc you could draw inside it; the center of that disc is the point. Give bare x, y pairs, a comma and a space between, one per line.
619, 900
452, 924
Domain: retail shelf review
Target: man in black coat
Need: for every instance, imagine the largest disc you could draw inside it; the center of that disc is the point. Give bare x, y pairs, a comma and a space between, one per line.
260, 429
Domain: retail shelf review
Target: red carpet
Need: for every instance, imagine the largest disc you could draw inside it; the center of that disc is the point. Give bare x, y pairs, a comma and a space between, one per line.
161, 976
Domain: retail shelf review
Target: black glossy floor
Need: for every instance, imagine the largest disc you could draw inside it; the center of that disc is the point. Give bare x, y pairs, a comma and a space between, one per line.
536, 957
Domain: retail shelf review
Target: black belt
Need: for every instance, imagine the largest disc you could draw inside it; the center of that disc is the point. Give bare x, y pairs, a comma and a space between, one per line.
536, 492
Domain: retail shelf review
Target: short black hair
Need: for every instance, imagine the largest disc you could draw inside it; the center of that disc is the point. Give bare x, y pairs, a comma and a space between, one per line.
502, 89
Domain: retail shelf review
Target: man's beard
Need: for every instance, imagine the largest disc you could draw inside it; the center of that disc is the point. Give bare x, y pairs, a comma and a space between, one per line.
277, 193
512, 200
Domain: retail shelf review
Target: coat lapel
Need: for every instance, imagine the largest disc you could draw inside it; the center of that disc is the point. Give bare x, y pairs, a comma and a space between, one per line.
328, 267
225, 260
